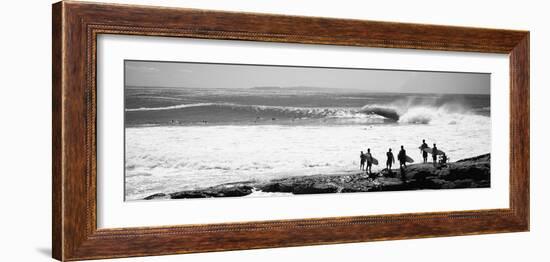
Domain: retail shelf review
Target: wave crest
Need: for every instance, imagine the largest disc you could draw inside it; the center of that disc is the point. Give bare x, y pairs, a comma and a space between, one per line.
407, 111
384, 111
411, 111
281, 111
168, 107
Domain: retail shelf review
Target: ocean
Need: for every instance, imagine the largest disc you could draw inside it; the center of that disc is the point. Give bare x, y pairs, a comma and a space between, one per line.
185, 138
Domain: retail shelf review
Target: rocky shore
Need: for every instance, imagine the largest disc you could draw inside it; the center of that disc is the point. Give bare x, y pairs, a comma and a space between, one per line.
472, 172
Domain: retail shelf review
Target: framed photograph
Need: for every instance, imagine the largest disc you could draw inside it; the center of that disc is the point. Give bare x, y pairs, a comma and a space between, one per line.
182, 130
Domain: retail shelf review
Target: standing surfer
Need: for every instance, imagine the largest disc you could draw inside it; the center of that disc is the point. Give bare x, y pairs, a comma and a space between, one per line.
369, 161
402, 157
434, 154
424, 153
363, 159
390, 160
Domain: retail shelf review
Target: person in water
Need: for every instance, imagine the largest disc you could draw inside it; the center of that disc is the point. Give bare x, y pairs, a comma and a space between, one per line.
424, 153
390, 160
434, 154
363, 158
402, 157
369, 161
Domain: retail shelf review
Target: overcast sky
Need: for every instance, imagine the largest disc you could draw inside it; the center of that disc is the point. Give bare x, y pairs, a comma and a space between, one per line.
199, 75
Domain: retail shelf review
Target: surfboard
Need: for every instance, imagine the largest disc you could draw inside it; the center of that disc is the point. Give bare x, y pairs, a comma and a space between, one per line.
408, 159
427, 150
430, 150
374, 161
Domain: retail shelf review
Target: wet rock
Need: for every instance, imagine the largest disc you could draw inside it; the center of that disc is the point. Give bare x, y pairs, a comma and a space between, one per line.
472, 172
285, 186
157, 196
236, 190
316, 188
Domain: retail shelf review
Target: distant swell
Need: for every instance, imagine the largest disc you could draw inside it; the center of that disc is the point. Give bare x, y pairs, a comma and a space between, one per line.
168, 107
260, 110
396, 112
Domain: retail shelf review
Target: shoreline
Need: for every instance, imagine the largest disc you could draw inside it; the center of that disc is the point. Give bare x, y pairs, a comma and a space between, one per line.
473, 172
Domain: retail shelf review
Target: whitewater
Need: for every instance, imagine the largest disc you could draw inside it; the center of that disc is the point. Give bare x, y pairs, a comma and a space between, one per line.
170, 158
186, 138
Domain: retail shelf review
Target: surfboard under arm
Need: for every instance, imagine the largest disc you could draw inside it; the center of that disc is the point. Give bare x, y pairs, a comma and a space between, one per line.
374, 161
430, 150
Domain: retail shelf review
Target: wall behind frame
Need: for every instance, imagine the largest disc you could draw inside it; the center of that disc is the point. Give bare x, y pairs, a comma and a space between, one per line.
25, 115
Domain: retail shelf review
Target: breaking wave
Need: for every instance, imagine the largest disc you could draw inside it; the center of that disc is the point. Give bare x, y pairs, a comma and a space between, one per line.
402, 111
262, 110
407, 112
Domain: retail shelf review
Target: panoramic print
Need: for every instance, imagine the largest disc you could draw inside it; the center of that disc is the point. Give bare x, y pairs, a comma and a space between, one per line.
208, 130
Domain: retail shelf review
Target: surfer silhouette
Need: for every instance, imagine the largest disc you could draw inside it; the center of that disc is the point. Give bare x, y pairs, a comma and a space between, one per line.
390, 160
443, 159
369, 161
434, 154
424, 153
402, 157
363, 158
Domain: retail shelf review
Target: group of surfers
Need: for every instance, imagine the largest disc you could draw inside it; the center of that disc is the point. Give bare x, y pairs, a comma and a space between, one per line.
401, 157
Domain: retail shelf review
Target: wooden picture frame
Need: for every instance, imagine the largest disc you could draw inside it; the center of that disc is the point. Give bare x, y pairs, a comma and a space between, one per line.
76, 26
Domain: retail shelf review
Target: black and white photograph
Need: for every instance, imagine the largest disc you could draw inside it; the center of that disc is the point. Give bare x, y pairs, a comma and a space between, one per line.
207, 130
269, 131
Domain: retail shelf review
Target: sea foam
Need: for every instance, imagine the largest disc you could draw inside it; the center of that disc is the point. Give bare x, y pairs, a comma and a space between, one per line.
169, 159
